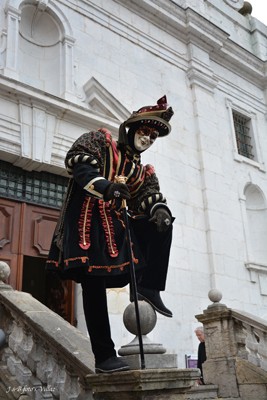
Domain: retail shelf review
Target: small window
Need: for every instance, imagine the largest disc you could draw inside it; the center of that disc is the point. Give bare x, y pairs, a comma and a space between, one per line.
244, 135
31, 186
246, 138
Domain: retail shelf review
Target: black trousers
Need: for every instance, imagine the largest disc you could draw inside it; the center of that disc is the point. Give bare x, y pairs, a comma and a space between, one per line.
155, 247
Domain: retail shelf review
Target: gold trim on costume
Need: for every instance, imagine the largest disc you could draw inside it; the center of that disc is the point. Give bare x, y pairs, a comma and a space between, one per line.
90, 187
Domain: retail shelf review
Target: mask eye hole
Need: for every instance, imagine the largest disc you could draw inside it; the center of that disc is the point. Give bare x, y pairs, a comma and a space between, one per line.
144, 131
154, 135
147, 131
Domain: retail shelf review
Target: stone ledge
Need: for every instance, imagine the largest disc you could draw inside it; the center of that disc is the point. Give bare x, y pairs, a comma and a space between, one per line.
74, 347
202, 392
5, 286
152, 361
145, 384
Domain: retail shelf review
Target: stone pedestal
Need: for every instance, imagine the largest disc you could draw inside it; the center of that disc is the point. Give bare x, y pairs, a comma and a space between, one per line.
152, 361
154, 353
160, 384
149, 347
236, 347
221, 346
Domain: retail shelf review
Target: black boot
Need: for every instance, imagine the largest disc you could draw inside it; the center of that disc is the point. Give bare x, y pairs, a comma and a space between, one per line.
112, 364
152, 296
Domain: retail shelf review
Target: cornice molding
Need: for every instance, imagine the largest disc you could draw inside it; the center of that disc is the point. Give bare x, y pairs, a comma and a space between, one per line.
44, 145
203, 32
26, 94
236, 4
207, 82
243, 63
189, 26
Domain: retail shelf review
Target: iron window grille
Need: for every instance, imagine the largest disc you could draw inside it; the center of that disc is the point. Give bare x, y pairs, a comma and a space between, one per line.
32, 187
243, 135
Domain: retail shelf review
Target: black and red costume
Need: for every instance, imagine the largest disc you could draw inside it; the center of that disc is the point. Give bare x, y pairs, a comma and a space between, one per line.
89, 245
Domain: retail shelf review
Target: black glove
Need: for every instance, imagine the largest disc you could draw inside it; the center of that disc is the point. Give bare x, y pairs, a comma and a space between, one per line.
162, 219
117, 191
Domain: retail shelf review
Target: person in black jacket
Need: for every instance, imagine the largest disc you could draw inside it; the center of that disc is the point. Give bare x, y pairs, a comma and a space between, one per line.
89, 245
201, 356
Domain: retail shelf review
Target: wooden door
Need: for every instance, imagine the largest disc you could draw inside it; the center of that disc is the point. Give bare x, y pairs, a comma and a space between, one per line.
10, 234
25, 235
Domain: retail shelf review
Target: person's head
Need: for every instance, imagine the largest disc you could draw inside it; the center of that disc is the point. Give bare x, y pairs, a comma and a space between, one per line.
141, 136
144, 126
200, 334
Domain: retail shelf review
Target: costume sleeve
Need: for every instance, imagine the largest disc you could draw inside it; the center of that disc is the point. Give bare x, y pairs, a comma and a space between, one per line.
89, 149
90, 180
149, 197
85, 162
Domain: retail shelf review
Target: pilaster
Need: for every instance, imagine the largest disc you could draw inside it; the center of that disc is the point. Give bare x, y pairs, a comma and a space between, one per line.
12, 38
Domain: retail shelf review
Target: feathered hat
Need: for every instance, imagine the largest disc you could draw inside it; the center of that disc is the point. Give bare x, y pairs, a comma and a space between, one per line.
157, 116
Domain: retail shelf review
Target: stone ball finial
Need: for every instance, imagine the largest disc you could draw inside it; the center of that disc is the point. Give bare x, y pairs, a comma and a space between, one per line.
148, 318
246, 9
215, 295
4, 271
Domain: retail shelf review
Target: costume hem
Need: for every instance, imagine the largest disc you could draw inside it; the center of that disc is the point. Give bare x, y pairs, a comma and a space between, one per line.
108, 268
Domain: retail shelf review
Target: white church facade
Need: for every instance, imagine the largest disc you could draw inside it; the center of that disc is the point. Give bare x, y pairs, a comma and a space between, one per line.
67, 67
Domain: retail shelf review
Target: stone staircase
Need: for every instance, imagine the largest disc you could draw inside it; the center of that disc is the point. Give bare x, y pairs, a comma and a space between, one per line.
45, 358
8, 385
202, 392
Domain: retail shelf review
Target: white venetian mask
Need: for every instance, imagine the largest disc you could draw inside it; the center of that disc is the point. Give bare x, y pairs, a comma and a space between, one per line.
144, 137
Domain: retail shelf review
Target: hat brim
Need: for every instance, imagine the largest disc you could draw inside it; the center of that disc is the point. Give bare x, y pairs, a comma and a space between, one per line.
160, 124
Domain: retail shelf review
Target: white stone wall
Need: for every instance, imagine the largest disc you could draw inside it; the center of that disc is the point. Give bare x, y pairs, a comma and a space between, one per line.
104, 59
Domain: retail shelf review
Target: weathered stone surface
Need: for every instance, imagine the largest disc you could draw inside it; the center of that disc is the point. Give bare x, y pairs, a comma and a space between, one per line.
4, 271
146, 384
147, 315
236, 346
202, 392
149, 347
253, 392
221, 372
65, 339
4, 286
46, 355
248, 373
152, 361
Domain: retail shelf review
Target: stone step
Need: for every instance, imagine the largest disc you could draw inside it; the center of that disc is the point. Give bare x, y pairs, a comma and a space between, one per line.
8, 385
202, 392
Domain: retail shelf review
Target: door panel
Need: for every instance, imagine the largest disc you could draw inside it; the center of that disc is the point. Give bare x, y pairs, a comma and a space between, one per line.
9, 225
9, 236
38, 225
26, 232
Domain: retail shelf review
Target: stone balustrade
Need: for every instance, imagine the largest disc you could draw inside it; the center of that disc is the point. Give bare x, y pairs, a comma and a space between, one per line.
236, 347
43, 357
45, 354
251, 336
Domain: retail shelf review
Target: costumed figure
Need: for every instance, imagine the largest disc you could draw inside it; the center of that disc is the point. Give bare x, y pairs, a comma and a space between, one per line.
89, 244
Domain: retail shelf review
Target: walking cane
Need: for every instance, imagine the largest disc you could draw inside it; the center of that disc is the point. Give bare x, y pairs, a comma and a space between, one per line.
123, 179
